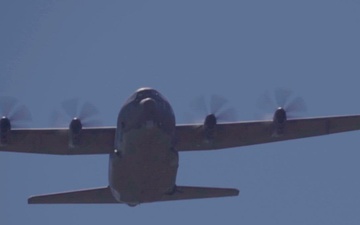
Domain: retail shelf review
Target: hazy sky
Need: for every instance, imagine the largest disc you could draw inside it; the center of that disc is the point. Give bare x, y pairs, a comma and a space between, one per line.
102, 51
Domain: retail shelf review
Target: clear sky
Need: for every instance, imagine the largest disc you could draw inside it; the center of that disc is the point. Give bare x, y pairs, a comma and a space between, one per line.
102, 51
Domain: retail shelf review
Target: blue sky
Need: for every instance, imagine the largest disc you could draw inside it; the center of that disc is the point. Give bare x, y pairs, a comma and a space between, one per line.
103, 51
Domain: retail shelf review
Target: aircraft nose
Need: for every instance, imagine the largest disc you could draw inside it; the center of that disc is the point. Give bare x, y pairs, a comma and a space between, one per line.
149, 105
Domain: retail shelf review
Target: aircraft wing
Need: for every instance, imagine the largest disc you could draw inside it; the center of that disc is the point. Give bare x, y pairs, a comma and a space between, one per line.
228, 135
56, 141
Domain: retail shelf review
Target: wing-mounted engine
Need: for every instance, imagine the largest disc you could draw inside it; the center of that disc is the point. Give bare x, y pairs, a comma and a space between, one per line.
81, 115
75, 128
13, 115
279, 121
215, 111
5, 127
209, 126
286, 107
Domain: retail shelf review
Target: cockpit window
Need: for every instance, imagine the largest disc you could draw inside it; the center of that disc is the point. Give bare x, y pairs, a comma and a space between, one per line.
131, 99
146, 93
142, 93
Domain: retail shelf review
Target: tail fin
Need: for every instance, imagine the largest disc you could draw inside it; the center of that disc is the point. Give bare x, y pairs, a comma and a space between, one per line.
184, 192
97, 195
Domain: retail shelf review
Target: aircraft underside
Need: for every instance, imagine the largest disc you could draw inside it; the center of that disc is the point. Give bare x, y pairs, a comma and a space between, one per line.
144, 146
143, 171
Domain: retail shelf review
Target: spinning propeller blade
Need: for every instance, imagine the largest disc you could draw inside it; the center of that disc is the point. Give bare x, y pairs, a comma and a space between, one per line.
215, 106
18, 114
282, 98
72, 108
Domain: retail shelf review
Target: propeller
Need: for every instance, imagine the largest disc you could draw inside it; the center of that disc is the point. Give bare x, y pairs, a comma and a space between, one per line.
14, 112
73, 109
215, 109
282, 99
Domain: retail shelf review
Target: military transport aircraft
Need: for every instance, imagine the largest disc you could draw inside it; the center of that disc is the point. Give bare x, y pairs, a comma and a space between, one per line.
144, 146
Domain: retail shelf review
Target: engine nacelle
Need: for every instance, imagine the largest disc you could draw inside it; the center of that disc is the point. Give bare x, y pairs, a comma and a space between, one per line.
75, 128
279, 121
209, 126
5, 127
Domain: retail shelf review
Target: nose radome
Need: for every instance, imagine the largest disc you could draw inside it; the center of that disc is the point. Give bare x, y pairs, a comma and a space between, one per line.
148, 104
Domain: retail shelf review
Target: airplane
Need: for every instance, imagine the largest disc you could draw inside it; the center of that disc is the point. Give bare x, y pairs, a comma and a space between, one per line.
144, 148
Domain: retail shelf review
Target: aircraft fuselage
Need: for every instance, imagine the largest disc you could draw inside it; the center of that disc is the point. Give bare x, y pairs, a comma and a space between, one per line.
144, 164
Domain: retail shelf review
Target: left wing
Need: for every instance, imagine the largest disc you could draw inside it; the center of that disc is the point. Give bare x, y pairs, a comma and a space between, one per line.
228, 135
56, 141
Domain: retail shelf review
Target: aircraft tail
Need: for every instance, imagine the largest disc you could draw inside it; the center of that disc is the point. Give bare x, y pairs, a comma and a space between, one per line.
89, 196
103, 195
186, 192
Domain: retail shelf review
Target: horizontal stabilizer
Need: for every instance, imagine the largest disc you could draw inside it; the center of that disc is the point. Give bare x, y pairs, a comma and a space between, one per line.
89, 196
104, 195
183, 192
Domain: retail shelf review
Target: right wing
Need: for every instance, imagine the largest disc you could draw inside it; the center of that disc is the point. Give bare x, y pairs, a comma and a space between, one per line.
56, 141
229, 135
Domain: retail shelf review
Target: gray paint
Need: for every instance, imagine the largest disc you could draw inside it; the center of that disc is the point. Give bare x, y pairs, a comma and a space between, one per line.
144, 165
